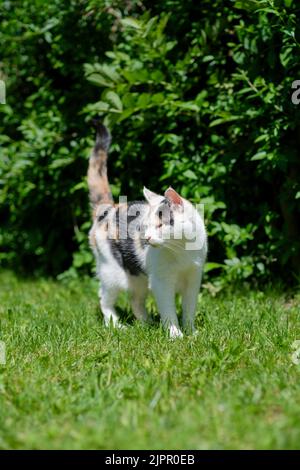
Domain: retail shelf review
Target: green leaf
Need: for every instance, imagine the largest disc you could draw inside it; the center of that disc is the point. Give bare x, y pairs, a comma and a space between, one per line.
261, 137
149, 26
187, 105
158, 98
285, 56
210, 266
101, 74
190, 175
223, 120
99, 80
259, 156
114, 100
144, 100
60, 162
207, 58
99, 106
131, 23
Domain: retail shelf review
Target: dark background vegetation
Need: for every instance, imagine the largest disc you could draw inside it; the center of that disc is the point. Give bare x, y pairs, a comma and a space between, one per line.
197, 95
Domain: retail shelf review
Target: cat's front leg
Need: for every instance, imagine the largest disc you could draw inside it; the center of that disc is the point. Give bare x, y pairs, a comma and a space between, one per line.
164, 294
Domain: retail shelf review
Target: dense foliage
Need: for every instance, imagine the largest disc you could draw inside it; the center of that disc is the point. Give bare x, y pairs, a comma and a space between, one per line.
197, 94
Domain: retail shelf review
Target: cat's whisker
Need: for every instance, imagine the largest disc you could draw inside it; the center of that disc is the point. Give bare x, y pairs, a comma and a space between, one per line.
176, 245
170, 248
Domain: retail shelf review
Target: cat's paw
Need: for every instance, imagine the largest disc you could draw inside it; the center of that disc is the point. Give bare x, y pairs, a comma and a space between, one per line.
149, 321
115, 323
175, 332
192, 332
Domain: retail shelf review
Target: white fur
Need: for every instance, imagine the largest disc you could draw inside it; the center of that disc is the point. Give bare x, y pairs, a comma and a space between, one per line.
170, 268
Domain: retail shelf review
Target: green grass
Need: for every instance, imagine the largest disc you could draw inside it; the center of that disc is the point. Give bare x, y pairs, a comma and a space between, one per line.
70, 383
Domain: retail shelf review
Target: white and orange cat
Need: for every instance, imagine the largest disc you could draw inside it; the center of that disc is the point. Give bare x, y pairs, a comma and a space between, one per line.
158, 244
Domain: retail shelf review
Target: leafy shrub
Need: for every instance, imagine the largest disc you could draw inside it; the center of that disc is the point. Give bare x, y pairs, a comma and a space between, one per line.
44, 138
197, 97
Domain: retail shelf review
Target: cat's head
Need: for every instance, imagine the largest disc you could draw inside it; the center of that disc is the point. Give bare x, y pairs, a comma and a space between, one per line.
170, 219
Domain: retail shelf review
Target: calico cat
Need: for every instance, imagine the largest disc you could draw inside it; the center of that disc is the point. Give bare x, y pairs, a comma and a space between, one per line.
158, 244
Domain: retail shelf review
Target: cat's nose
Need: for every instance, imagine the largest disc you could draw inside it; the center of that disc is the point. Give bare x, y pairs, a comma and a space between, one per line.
148, 238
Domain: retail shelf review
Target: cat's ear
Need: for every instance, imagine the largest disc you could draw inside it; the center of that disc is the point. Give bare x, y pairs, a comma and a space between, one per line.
173, 197
151, 197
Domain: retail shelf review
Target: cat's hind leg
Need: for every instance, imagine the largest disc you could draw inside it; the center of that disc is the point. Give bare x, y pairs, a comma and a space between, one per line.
107, 297
138, 286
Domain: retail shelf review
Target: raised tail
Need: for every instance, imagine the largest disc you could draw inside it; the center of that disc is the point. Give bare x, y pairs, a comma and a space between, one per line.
99, 189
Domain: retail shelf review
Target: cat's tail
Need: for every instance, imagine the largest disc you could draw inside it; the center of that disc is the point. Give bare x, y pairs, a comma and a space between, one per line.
98, 184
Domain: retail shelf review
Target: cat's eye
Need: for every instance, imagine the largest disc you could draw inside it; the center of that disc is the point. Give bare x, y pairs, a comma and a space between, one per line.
160, 225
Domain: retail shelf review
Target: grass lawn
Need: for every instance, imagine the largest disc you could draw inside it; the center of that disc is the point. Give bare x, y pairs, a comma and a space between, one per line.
70, 383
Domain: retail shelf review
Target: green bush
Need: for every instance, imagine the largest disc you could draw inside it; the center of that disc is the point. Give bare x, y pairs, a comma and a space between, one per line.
44, 138
197, 97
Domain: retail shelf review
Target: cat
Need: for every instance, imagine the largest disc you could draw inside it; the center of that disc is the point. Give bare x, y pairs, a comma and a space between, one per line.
158, 244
